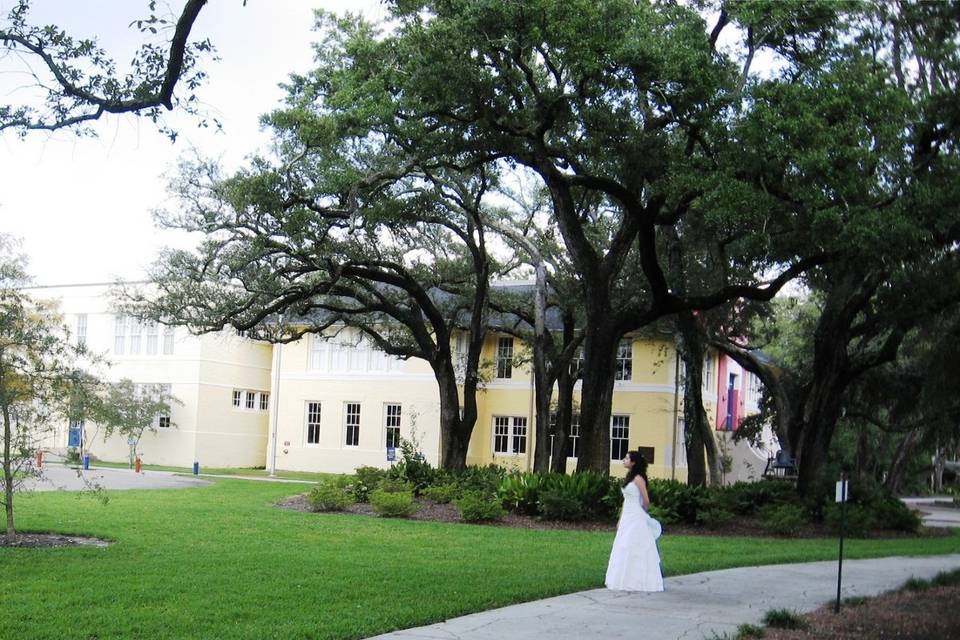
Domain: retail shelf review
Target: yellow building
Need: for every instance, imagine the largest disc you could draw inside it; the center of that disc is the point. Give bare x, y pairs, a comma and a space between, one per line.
334, 404
342, 404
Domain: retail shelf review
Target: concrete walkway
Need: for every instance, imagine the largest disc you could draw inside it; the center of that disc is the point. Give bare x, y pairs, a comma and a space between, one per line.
58, 477
700, 605
936, 512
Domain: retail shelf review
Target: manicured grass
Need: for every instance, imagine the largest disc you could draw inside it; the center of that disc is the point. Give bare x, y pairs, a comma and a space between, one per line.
223, 562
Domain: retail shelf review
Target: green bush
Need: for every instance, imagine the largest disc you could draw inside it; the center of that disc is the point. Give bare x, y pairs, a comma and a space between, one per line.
366, 479
520, 492
412, 467
677, 497
72, 459
860, 520
713, 517
329, 496
393, 504
556, 504
662, 515
441, 494
475, 506
483, 479
891, 513
784, 519
746, 498
394, 485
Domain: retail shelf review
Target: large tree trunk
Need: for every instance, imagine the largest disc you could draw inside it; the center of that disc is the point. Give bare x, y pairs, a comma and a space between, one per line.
565, 384
694, 415
596, 397
894, 480
454, 430
543, 390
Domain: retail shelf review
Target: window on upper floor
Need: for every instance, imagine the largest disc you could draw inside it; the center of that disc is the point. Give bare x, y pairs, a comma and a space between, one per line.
707, 372
251, 400
264, 401
81, 329
151, 331
505, 358
119, 334
136, 330
624, 366
168, 340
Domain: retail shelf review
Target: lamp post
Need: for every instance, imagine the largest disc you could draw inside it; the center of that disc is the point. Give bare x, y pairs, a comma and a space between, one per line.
275, 399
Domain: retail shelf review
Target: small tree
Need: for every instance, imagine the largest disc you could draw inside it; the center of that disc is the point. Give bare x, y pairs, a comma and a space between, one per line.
133, 409
38, 372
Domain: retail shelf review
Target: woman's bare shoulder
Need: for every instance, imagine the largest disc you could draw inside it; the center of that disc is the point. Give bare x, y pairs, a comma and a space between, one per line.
640, 482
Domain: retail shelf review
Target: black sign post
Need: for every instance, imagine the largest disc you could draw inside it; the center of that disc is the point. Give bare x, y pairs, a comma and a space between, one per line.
841, 497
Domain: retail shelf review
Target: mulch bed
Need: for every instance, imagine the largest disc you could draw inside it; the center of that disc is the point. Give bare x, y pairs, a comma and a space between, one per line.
931, 614
51, 541
742, 526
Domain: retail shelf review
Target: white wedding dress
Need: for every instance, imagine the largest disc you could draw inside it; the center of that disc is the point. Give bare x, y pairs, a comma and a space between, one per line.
635, 562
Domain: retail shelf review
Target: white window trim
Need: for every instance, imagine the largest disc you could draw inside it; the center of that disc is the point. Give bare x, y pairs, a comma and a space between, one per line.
497, 375
306, 424
511, 434
346, 414
386, 417
612, 417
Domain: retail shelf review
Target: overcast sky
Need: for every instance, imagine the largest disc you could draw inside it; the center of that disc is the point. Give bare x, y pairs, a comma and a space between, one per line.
82, 206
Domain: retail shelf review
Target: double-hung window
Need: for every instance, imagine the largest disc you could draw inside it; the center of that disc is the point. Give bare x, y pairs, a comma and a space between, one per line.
251, 399
313, 423
505, 358
351, 420
136, 329
619, 437
624, 368
168, 340
236, 398
151, 349
81, 329
264, 401
510, 435
119, 334
392, 425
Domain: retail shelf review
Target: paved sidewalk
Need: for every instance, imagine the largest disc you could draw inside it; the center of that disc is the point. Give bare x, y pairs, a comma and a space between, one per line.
695, 606
936, 511
59, 477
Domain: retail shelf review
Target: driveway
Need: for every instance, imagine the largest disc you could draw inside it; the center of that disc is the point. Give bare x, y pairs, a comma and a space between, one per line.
58, 477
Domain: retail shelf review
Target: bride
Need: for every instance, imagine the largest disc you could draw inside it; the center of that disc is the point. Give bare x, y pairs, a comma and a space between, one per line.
635, 562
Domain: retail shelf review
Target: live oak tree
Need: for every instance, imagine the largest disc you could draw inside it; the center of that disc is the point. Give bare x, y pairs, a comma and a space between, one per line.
876, 162
131, 410
622, 103
325, 240
75, 82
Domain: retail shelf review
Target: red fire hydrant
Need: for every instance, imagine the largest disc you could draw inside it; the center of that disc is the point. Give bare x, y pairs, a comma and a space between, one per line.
40, 459
136, 465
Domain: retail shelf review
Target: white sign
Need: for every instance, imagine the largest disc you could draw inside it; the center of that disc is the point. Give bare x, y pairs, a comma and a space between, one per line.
843, 491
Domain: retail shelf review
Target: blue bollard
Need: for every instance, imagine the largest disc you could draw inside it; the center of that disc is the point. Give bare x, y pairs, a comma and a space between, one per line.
196, 468
86, 462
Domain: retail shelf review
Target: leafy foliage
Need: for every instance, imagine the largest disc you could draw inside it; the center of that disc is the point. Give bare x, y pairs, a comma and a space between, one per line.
329, 496
393, 504
475, 506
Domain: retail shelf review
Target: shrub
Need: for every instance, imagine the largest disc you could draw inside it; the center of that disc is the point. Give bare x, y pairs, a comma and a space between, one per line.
520, 492
393, 504
713, 517
784, 619
784, 519
413, 467
662, 515
441, 494
891, 513
366, 479
745, 631
561, 505
476, 507
677, 497
859, 519
394, 485
746, 498
72, 459
329, 496
483, 479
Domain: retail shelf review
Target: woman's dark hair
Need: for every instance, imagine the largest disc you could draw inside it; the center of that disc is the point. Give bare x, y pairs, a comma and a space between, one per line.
639, 467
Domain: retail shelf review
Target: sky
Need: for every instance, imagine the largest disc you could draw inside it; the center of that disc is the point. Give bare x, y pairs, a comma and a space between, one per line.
82, 206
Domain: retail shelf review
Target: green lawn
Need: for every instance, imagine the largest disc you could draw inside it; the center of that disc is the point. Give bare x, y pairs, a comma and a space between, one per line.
223, 562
